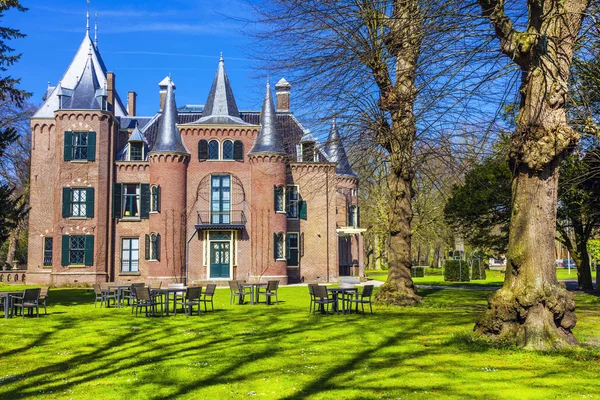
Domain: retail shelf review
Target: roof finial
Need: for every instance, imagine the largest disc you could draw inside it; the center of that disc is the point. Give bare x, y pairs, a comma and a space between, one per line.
221, 57
96, 32
87, 19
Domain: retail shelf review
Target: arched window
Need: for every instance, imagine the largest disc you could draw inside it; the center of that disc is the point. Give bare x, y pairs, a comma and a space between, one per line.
238, 150
228, 150
153, 246
155, 207
213, 150
279, 246
202, 150
279, 198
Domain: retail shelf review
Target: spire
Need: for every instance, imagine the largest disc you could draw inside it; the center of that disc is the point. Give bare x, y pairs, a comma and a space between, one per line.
336, 153
87, 21
96, 32
168, 139
220, 107
268, 139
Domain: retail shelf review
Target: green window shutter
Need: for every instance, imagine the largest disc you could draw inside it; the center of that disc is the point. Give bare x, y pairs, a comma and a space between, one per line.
287, 247
89, 203
275, 246
66, 202
66, 242
303, 211
91, 146
147, 247
158, 202
145, 201
157, 247
117, 200
88, 258
274, 197
68, 156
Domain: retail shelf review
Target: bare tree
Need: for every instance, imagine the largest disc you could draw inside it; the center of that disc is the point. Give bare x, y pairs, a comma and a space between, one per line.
532, 308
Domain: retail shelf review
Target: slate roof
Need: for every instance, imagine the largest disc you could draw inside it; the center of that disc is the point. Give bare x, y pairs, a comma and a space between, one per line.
168, 139
337, 154
87, 93
268, 140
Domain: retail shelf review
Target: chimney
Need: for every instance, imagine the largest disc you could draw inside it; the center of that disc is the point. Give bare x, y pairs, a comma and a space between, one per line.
131, 103
163, 91
110, 86
282, 91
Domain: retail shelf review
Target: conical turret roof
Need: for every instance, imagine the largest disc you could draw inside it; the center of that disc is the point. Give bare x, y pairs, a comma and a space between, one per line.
337, 154
220, 107
85, 96
269, 139
168, 139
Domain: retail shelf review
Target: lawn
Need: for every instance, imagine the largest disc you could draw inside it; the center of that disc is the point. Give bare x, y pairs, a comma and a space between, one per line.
433, 276
283, 352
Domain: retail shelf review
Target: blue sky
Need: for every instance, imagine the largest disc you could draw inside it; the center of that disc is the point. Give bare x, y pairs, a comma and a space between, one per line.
142, 42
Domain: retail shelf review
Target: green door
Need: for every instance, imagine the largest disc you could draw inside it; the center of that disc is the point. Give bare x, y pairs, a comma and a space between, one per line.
219, 259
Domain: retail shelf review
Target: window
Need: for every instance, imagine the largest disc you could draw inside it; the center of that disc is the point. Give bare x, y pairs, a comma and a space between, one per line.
78, 202
279, 244
228, 150
293, 249
136, 151
130, 254
279, 198
352, 216
292, 201
213, 150
238, 150
131, 200
80, 146
153, 247
308, 151
78, 199
220, 199
47, 251
155, 207
202, 150
77, 250
80, 143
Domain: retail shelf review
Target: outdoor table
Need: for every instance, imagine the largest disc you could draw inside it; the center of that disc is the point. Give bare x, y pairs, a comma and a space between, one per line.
8, 301
253, 288
343, 291
167, 292
120, 291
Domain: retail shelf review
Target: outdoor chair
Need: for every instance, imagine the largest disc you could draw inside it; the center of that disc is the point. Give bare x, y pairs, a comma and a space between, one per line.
43, 297
103, 296
311, 292
143, 299
268, 292
191, 298
207, 296
322, 298
2, 300
108, 294
236, 291
155, 285
363, 298
131, 295
30, 299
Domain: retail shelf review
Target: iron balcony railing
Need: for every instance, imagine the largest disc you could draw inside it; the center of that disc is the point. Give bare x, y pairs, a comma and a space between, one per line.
235, 219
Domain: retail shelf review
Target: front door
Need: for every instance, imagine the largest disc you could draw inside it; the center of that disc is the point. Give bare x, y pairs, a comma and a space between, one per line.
219, 259
220, 200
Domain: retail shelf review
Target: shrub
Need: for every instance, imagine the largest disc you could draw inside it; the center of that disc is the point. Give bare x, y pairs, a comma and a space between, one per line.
418, 272
477, 270
456, 271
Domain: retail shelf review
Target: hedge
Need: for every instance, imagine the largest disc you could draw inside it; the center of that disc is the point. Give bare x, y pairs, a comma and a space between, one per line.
477, 270
456, 271
417, 272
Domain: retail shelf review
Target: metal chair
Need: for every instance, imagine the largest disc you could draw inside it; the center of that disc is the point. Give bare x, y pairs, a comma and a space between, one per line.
144, 299
191, 298
103, 296
322, 298
236, 291
108, 294
43, 297
131, 298
30, 300
270, 291
311, 292
207, 296
364, 298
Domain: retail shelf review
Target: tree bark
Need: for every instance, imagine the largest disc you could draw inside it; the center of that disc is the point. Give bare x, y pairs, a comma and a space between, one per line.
584, 272
532, 309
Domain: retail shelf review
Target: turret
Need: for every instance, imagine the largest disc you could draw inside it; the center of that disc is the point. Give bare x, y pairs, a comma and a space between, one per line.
337, 154
268, 167
168, 173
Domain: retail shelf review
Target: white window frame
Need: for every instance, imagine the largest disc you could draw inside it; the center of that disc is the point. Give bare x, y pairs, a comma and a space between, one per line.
138, 191
222, 146
287, 204
218, 150
130, 251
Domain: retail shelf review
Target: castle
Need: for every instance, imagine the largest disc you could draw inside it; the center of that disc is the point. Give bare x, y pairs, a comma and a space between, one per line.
189, 194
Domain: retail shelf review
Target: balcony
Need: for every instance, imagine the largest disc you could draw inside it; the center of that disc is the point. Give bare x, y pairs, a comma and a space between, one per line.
216, 221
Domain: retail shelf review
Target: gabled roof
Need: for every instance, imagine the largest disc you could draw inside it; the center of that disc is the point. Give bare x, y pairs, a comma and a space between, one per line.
268, 140
87, 93
71, 77
168, 139
337, 154
220, 107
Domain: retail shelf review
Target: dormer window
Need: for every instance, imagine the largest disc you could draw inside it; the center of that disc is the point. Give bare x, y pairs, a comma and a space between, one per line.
136, 151
308, 151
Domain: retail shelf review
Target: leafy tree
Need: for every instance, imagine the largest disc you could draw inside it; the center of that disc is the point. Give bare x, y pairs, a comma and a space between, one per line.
479, 209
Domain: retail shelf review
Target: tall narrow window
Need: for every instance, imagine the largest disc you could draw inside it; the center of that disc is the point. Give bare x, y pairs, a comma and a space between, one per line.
308, 151
220, 199
279, 198
352, 216
228, 150
131, 200
279, 246
130, 254
155, 246
213, 150
80, 145
293, 249
136, 151
78, 202
47, 251
155, 199
292, 201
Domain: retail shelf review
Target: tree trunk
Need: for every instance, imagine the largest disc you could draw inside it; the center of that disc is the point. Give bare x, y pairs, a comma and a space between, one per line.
584, 272
399, 288
436, 255
12, 246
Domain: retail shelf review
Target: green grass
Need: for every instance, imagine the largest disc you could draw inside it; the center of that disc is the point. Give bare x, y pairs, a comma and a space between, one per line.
283, 352
433, 276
